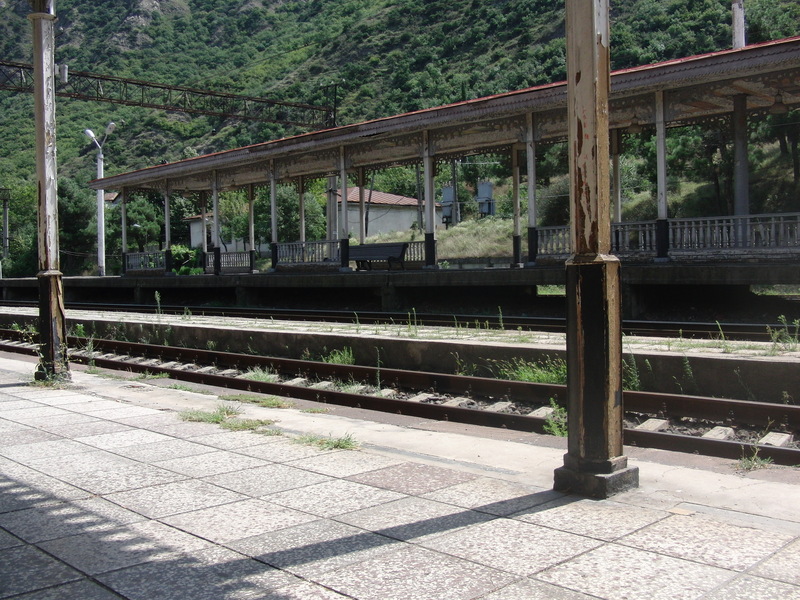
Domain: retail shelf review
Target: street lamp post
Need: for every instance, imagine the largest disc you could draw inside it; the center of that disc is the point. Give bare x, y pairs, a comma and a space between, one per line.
101, 209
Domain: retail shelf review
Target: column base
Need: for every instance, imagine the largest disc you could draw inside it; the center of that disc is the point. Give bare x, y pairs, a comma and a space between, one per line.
588, 482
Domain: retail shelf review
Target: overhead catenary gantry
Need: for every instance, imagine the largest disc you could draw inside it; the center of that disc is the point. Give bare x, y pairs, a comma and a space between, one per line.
81, 85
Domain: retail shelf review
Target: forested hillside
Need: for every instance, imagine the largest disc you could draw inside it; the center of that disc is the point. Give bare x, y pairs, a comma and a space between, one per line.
384, 56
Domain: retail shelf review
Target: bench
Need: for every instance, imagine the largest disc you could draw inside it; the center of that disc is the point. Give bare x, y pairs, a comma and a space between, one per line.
389, 252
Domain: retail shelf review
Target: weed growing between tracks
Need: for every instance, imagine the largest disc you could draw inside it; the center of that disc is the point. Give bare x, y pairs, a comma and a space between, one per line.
752, 461
556, 423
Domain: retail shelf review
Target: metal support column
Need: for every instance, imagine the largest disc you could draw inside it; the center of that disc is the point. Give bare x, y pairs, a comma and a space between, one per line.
662, 225
215, 209
124, 224
167, 222
594, 464
362, 206
430, 203
251, 230
301, 190
344, 222
516, 240
53, 363
273, 203
530, 157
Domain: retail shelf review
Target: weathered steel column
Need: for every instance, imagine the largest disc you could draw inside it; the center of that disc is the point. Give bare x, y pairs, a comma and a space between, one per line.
215, 208
430, 202
344, 224
273, 203
167, 221
530, 157
203, 224
301, 191
251, 217
594, 464
53, 363
362, 206
124, 217
516, 240
662, 224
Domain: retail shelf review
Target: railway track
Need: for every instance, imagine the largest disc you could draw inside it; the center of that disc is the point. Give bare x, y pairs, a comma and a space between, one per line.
755, 332
465, 399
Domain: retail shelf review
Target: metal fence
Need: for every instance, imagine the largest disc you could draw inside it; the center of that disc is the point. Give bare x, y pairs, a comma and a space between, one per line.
145, 262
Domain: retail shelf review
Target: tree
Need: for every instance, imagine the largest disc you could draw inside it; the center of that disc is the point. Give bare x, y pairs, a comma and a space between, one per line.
144, 222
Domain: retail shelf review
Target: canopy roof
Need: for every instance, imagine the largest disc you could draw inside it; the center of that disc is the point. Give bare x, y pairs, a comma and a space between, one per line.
696, 89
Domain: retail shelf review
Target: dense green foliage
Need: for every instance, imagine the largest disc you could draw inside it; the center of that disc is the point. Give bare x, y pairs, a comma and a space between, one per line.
383, 56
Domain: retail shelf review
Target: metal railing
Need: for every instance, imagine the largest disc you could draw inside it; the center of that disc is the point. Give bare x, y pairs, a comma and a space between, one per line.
308, 252
153, 262
752, 232
633, 237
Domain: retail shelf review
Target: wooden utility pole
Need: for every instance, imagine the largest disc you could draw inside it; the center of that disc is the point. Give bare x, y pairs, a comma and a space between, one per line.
53, 363
594, 464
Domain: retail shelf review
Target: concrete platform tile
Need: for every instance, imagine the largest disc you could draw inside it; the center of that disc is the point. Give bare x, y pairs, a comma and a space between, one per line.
124, 411
414, 573
91, 461
494, 496
6, 425
24, 436
102, 551
67, 419
25, 453
8, 541
26, 415
269, 479
121, 478
284, 450
528, 589
784, 565
414, 519
21, 488
214, 574
413, 478
88, 426
700, 538
237, 520
26, 569
66, 519
303, 590
174, 498
163, 450
232, 440
332, 498
121, 439
11, 403
600, 519
620, 572
316, 547
512, 546
169, 424
345, 463
79, 590
755, 588
211, 463
92, 404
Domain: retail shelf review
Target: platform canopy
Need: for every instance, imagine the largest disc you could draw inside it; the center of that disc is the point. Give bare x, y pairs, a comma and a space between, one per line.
695, 89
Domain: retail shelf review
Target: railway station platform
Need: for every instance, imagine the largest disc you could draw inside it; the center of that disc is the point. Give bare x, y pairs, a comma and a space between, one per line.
107, 493
718, 288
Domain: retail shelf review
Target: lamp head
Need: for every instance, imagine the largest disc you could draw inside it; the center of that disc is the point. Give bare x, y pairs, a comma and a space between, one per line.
90, 134
110, 127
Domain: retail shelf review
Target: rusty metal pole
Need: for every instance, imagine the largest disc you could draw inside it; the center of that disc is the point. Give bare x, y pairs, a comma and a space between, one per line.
594, 464
53, 364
